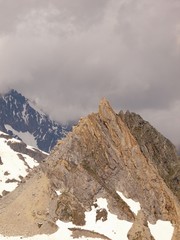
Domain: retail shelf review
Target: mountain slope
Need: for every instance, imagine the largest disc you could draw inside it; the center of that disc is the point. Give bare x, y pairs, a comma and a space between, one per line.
88, 178
16, 160
20, 117
157, 148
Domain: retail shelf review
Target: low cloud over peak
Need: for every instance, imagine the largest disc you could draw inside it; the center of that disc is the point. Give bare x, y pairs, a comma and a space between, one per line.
68, 55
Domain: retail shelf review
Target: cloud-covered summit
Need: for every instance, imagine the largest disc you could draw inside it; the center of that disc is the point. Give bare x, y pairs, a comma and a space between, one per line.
69, 54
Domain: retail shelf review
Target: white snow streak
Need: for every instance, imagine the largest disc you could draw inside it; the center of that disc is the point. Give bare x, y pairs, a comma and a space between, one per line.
134, 206
58, 193
24, 115
161, 230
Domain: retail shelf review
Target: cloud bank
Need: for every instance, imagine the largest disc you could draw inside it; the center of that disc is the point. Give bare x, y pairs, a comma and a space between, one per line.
68, 54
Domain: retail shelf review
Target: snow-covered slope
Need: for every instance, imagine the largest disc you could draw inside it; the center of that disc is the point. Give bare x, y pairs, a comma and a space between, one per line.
16, 159
20, 118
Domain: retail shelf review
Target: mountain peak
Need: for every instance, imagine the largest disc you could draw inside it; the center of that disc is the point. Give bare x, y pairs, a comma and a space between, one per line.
23, 120
15, 95
105, 110
13, 92
104, 102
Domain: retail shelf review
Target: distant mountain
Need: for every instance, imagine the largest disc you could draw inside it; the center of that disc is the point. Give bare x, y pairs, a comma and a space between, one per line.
20, 118
16, 160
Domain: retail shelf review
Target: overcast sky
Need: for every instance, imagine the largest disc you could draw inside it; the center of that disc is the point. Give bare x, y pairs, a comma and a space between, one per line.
68, 54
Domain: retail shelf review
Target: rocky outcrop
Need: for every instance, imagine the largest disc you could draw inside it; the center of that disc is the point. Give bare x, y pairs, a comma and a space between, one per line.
27, 210
140, 230
155, 147
98, 159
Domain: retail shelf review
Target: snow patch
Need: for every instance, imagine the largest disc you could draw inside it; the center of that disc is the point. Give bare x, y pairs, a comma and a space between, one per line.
30, 161
161, 230
134, 206
2, 133
58, 193
113, 228
12, 166
24, 115
14, 140
26, 137
34, 149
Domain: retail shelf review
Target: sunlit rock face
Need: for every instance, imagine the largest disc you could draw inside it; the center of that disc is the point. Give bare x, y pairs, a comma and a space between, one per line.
158, 149
94, 180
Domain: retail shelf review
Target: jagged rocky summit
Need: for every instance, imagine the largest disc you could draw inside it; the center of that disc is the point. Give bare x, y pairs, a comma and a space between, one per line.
21, 118
94, 170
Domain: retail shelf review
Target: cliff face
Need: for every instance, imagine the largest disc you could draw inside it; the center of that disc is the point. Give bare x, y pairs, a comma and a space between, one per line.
99, 159
155, 147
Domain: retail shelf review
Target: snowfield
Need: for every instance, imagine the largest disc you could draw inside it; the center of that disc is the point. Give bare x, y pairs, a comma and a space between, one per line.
13, 165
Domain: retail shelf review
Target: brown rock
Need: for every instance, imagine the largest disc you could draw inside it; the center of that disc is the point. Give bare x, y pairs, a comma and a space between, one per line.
140, 230
155, 147
101, 214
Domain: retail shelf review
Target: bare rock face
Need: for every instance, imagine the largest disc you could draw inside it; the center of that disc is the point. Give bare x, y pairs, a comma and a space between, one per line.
100, 158
155, 147
140, 230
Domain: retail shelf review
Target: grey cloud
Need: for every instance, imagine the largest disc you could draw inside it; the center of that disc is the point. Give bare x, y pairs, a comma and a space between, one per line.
12, 11
79, 12
69, 54
166, 121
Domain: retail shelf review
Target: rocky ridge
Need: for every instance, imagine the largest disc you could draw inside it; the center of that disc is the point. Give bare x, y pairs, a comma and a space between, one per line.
155, 147
100, 158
